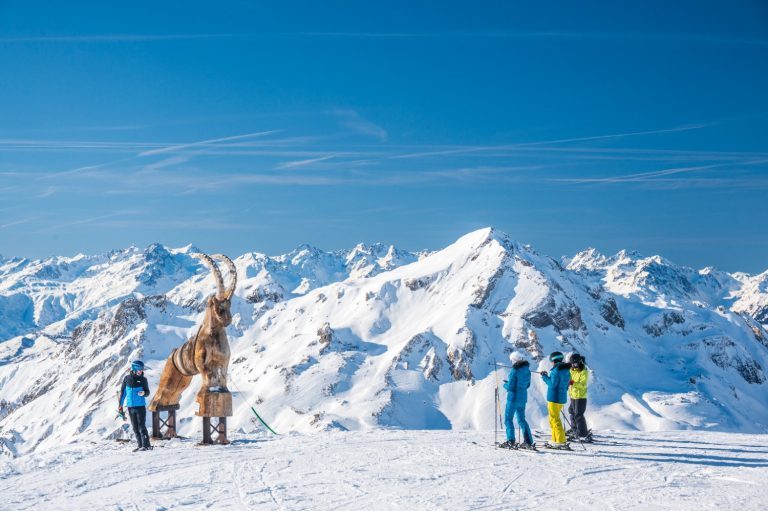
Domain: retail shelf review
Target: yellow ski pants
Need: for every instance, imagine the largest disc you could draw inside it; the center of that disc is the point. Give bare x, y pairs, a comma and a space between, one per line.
558, 432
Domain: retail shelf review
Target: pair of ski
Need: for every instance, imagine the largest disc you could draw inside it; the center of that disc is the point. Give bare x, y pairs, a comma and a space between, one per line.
573, 437
517, 447
533, 450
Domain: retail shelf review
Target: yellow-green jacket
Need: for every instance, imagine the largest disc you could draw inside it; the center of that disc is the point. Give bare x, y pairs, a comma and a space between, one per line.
578, 388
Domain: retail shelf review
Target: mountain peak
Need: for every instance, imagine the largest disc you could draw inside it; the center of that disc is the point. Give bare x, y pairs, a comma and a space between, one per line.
588, 259
480, 237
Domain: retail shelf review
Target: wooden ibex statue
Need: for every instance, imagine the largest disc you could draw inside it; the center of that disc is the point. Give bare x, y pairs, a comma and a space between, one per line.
207, 353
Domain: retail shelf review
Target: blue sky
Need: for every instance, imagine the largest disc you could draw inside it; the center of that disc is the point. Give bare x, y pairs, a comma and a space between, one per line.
259, 126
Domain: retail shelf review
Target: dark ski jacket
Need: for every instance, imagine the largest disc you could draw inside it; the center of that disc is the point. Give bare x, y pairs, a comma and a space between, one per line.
517, 384
129, 391
558, 380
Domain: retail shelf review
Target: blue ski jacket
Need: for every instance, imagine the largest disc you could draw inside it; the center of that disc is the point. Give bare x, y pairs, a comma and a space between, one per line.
517, 384
558, 380
129, 391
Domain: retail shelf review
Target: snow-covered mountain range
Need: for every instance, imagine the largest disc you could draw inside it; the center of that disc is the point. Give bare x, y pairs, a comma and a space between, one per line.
377, 337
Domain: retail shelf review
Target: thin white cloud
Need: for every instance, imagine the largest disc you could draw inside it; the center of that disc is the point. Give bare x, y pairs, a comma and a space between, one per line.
165, 162
63, 145
351, 119
303, 163
473, 149
622, 135
168, 223
640, 176
113, 38
18, 222
83, 221
81, 170
48, 192
690, 38
550, 34
211, 141
654, 175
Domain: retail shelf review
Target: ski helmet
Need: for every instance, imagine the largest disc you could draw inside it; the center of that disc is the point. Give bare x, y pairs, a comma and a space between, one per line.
575, 358
137, 365
516, 356
555, 356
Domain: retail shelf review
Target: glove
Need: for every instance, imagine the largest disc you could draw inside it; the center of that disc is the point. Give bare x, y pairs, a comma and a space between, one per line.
120, 409
544, 373
570, 383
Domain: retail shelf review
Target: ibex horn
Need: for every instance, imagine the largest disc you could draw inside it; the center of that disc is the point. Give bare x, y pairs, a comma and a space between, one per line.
232, 273
220, 294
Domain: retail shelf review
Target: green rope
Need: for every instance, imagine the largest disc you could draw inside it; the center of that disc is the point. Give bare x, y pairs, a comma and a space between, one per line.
262, 420
239, 392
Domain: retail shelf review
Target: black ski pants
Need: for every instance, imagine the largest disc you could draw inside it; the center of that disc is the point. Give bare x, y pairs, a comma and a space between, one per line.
138, 415
576, 410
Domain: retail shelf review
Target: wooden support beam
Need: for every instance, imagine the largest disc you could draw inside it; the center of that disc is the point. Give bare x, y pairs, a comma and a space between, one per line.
215, 432
164, 428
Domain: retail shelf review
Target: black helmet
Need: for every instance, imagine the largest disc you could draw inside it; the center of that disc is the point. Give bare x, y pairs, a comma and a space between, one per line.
576, 358
556, 356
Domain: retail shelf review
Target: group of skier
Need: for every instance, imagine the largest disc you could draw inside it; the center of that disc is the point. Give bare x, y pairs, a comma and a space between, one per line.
564, 380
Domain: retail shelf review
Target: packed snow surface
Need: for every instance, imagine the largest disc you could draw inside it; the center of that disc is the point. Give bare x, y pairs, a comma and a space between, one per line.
393, 470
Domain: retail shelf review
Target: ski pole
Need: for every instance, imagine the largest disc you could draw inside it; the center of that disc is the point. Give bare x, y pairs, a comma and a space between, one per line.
498, 400
571, 427
495, 423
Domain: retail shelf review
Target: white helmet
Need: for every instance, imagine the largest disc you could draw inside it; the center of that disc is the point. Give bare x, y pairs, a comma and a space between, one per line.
516, 356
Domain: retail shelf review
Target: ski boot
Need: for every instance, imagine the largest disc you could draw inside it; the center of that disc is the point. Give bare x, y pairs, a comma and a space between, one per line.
527, 447
558, 447
509, 444
574, 437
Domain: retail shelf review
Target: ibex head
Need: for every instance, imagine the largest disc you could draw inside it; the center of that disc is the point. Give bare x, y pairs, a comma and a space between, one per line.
219, 304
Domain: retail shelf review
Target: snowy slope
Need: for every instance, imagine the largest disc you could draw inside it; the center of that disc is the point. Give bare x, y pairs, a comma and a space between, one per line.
396, 470
379, 337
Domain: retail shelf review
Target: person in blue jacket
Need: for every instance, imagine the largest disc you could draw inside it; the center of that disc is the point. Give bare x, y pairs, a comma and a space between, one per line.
517, 396
558, 380
133, 393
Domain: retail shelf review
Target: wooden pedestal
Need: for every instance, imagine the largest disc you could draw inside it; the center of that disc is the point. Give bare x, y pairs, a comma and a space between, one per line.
164, 429
215, 433
214, 404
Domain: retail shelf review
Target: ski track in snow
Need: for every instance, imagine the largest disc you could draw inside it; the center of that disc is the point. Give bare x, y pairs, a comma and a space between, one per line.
395, 469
